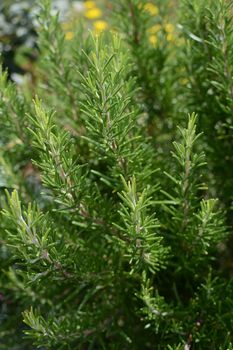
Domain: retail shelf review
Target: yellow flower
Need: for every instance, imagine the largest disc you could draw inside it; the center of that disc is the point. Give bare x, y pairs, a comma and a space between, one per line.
169, 28
153, 39
99, 26
154, 29
93, 13
170, 37
151, 8
89, 4
69, 35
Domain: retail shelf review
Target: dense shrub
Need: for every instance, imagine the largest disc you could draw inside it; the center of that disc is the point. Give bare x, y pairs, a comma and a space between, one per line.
112, 236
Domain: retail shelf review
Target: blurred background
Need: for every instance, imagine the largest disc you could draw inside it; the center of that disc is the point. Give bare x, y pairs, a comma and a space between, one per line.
18, 24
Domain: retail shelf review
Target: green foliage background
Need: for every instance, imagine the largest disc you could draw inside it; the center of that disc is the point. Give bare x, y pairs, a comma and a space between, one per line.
116, 184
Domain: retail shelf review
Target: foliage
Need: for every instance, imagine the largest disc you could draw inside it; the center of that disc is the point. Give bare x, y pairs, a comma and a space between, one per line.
208, 63
112, 236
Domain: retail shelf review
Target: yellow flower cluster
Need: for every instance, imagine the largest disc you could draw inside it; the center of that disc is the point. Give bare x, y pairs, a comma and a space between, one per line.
154, 29
153, 32
95, 13
151, 8
69, 35
169, 28
92, 13
153, 39
99, 26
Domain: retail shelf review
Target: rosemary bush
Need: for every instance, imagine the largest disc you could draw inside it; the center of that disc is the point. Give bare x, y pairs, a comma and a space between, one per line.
116, 183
